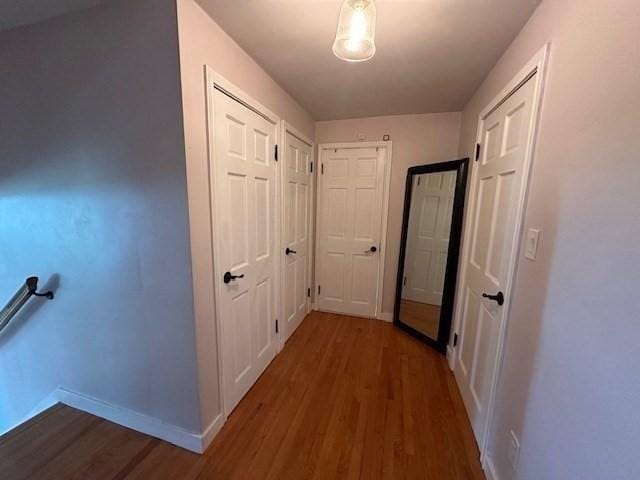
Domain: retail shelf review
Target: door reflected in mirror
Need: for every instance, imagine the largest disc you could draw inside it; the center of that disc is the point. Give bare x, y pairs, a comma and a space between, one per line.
426, 251
431, 229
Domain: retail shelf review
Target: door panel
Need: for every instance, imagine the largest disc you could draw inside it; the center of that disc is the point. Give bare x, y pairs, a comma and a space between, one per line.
500, 182
244, 192
297, 202
350, 219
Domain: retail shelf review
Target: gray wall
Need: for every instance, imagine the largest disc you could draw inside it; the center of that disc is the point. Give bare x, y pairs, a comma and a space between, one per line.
93, 200
570, 387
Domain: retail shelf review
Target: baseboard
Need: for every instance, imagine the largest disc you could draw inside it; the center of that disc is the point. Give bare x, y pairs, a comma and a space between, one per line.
450, 357
210, 432
142, 423
489, 469
386, 316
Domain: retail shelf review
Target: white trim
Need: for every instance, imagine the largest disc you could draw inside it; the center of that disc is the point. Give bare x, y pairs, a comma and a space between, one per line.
490, 469
287, 127
385, 316
385, 207
537, 65
336, 312
451, 357
141, 423
211, 432
212, 78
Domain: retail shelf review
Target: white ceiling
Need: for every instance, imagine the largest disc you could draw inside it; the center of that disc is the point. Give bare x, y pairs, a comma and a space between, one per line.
431, 54
14, 13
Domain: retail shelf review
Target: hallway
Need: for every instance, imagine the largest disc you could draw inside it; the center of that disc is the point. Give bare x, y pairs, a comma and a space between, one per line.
347, 398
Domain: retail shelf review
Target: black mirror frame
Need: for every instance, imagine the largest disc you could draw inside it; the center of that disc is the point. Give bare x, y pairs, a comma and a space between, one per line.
446, 312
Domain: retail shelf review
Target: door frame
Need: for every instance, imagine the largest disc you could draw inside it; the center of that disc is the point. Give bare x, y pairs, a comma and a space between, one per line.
385, 210
216, 81
536, 66
288, 128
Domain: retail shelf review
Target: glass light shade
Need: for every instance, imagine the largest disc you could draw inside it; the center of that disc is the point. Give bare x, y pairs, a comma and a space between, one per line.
355, 37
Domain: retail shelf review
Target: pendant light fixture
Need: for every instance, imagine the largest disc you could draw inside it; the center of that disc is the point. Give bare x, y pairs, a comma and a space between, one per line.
355, 37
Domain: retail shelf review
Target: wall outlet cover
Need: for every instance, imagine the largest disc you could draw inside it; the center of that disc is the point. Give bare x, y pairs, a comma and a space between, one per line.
361, 137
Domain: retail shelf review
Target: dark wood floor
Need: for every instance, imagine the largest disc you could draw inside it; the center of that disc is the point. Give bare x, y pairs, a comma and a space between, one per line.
347, 398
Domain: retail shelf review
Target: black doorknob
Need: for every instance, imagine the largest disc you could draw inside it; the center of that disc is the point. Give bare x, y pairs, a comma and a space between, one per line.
228, 277
288, 251
498, 298
373, 249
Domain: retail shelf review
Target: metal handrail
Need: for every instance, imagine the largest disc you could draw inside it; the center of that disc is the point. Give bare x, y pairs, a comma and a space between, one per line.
25, 292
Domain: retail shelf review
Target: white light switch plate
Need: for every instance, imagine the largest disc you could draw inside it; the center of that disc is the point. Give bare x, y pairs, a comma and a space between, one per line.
531, 243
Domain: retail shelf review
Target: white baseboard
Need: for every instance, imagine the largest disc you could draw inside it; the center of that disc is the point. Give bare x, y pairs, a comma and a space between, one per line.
195, 442
450, 357
386, 316
489, 469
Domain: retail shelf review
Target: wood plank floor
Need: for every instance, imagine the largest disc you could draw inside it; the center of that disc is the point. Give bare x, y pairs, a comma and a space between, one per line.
347, 398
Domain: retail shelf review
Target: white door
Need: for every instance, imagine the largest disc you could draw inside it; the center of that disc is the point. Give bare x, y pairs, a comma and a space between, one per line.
351, 187
499, 192
297, 208
245, 213
428, 236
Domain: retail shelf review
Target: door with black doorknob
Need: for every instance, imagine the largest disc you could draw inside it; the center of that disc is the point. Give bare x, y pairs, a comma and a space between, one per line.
297, 203
244, 202
352, 203
498, 188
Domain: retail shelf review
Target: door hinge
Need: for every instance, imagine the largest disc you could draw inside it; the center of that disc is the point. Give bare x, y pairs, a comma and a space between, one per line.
322, 169
308, 292
318, 289
275, 153
455, 339
311, 165
418, 179
404, 281
276, 325
477, 151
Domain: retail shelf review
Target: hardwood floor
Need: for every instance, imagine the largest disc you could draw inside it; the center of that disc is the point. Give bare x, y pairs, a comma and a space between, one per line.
347, 398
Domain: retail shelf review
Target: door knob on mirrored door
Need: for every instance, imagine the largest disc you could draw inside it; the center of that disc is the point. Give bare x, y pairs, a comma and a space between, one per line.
373, 249
288, 251
228, 277
498, 298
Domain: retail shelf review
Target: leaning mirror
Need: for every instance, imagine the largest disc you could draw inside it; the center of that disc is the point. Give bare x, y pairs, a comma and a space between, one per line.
429, 250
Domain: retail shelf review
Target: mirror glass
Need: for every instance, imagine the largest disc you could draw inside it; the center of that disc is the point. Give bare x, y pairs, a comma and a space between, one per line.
426, 251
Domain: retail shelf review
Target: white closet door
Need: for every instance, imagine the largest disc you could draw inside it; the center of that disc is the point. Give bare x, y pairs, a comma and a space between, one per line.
428, 237
297, 207
350, 218
499, 183
245, 209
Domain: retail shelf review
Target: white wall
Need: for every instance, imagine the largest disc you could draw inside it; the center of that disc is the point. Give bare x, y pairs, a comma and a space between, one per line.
93, 200
570, 387
203, 42
417, 140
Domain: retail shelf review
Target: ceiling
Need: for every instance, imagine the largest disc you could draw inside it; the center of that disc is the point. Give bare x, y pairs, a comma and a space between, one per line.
431, 54
14, 13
